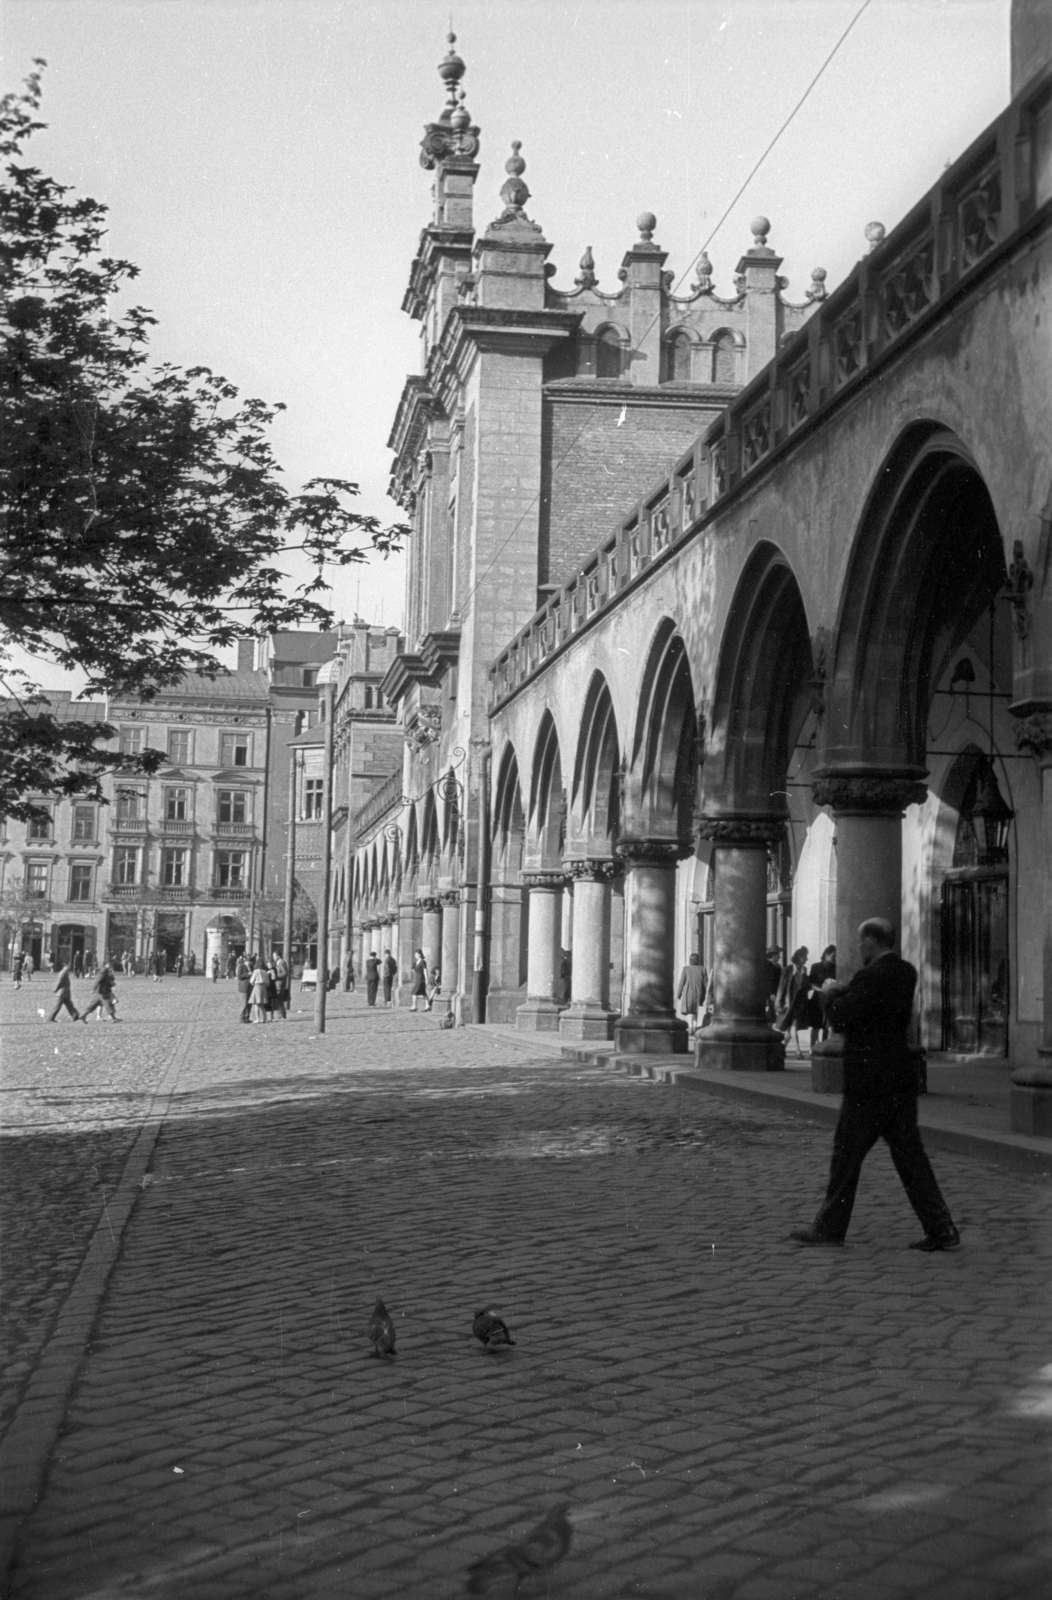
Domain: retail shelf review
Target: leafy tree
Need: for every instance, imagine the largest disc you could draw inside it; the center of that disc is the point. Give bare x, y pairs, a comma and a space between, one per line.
144, 518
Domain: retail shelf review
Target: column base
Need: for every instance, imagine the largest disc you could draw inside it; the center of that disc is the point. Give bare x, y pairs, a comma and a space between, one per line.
827, 1066
1030, 1101
502, 1005
659, 1035
538, 1016
582, 1021
743, 1049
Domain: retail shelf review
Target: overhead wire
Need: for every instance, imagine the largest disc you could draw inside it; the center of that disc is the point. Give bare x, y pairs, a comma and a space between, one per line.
700, 252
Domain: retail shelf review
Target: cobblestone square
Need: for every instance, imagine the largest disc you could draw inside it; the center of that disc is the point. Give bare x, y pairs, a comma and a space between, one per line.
725, 1416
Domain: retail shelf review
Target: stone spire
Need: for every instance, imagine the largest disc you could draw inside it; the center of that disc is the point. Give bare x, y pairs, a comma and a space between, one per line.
449, 147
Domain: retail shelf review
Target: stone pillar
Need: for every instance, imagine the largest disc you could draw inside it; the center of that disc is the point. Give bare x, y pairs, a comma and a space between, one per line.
649, 1024
506, 910
617, 943
431, 930
740, 1038
1031, 1097
589, 1015
540, 1014
450, 947
868, 809
408, 940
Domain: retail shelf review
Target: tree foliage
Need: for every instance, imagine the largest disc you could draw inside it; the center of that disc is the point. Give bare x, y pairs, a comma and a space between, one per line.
144, 520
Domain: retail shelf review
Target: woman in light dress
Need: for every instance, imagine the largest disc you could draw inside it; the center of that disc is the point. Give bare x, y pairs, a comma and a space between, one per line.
257, 995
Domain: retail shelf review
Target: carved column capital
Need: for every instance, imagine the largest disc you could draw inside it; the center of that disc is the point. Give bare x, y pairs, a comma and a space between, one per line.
1033, 733
652, 852
593, 870
450, 897
871, 794
545, 880
741, 832
430, 903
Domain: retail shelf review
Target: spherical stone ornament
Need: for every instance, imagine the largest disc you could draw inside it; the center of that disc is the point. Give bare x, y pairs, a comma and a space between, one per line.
451, 69
759, 227
646, 222
515, 163
875, 234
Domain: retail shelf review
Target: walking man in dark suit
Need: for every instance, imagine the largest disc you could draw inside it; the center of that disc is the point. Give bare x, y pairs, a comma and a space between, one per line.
880, 1094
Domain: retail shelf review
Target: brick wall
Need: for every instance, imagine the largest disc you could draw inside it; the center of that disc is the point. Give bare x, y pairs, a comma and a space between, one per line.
595, 471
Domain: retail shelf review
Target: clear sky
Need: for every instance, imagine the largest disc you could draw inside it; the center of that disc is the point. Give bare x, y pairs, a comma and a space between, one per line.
260, 162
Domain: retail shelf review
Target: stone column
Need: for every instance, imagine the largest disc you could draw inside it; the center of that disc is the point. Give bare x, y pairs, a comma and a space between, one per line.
506, 908
740, 1038
588, 1015
649, 1024
1031, 1097
408, 940
617, 943
540, 1014
868, 808
450, 947
431, 930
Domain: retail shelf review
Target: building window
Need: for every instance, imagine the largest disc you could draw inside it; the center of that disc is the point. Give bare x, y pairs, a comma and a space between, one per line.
725, 359
607, 354
83, 824
173, 868
178, 745
230, 869
379, 700
131, 805
39, 827
80, 880
310, 677
679, 359
234, 750
233, 805
312, 793
368, 699
132, 740
126, 864
36, 880
175, 804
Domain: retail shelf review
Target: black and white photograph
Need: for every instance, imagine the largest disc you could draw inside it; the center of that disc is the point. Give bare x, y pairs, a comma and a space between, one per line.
526, 587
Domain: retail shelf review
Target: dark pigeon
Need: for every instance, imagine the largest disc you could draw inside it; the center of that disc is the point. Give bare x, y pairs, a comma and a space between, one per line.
488, 1327
382, 1331
542, 1547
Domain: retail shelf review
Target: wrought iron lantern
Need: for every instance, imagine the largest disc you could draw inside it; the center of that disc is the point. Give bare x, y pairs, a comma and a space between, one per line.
991, 816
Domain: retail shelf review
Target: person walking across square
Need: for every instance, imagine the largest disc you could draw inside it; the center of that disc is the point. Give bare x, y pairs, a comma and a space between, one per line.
102, 995
65, 998
693, 981
873, 1012
389, 971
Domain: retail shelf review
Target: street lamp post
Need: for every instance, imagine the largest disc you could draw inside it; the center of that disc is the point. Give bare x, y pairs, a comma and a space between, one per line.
290, 868
322, 963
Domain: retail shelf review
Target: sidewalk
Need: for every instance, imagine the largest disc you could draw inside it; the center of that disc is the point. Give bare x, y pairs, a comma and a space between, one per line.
965, 1109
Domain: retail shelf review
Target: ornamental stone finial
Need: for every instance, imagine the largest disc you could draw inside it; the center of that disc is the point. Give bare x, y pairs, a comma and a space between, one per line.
759, 227
514, 192
451, 69
875, 232
587, 278
818, 290
646, 222
703, 277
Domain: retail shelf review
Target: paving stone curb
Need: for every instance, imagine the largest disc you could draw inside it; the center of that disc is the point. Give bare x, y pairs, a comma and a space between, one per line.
1014, 1150
27, 1445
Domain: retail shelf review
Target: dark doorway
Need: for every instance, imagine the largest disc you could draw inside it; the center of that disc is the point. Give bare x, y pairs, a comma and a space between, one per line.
975, 964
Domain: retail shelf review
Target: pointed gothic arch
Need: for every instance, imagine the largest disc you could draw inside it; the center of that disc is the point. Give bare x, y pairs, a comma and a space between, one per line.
660, 791
596, 803
546, 822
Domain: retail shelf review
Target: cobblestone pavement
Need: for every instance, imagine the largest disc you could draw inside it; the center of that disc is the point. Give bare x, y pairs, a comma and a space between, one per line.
726, 1417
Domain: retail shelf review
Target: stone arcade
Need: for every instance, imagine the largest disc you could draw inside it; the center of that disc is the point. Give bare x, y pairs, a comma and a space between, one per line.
772, 655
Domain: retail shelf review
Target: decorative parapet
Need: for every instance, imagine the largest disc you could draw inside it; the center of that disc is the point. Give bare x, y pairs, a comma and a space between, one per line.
385, 799
955, 236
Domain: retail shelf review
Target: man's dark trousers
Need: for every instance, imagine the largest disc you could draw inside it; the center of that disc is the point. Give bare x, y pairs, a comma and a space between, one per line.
864, 1120
371, 987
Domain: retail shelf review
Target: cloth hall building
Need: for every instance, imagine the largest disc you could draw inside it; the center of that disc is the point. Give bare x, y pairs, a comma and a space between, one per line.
729, 618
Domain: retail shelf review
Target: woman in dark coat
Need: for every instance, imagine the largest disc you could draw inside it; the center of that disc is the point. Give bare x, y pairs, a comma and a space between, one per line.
419, 987
819, 974
793, 993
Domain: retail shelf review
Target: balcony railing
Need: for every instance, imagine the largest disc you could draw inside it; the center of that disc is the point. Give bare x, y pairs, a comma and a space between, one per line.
942, 247
129, 825
125, 891
178, 825
234, 830
229, 893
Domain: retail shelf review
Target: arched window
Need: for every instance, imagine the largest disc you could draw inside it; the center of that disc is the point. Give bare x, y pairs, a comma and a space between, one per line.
724, 359
678, 359
607, 353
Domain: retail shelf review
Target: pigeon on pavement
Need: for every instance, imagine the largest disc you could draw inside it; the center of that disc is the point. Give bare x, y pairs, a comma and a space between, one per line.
381, 1331
488, 1327
542, 1547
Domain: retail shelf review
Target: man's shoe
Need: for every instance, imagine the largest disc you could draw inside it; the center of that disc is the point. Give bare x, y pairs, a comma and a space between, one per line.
809, 1236
937, 1241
